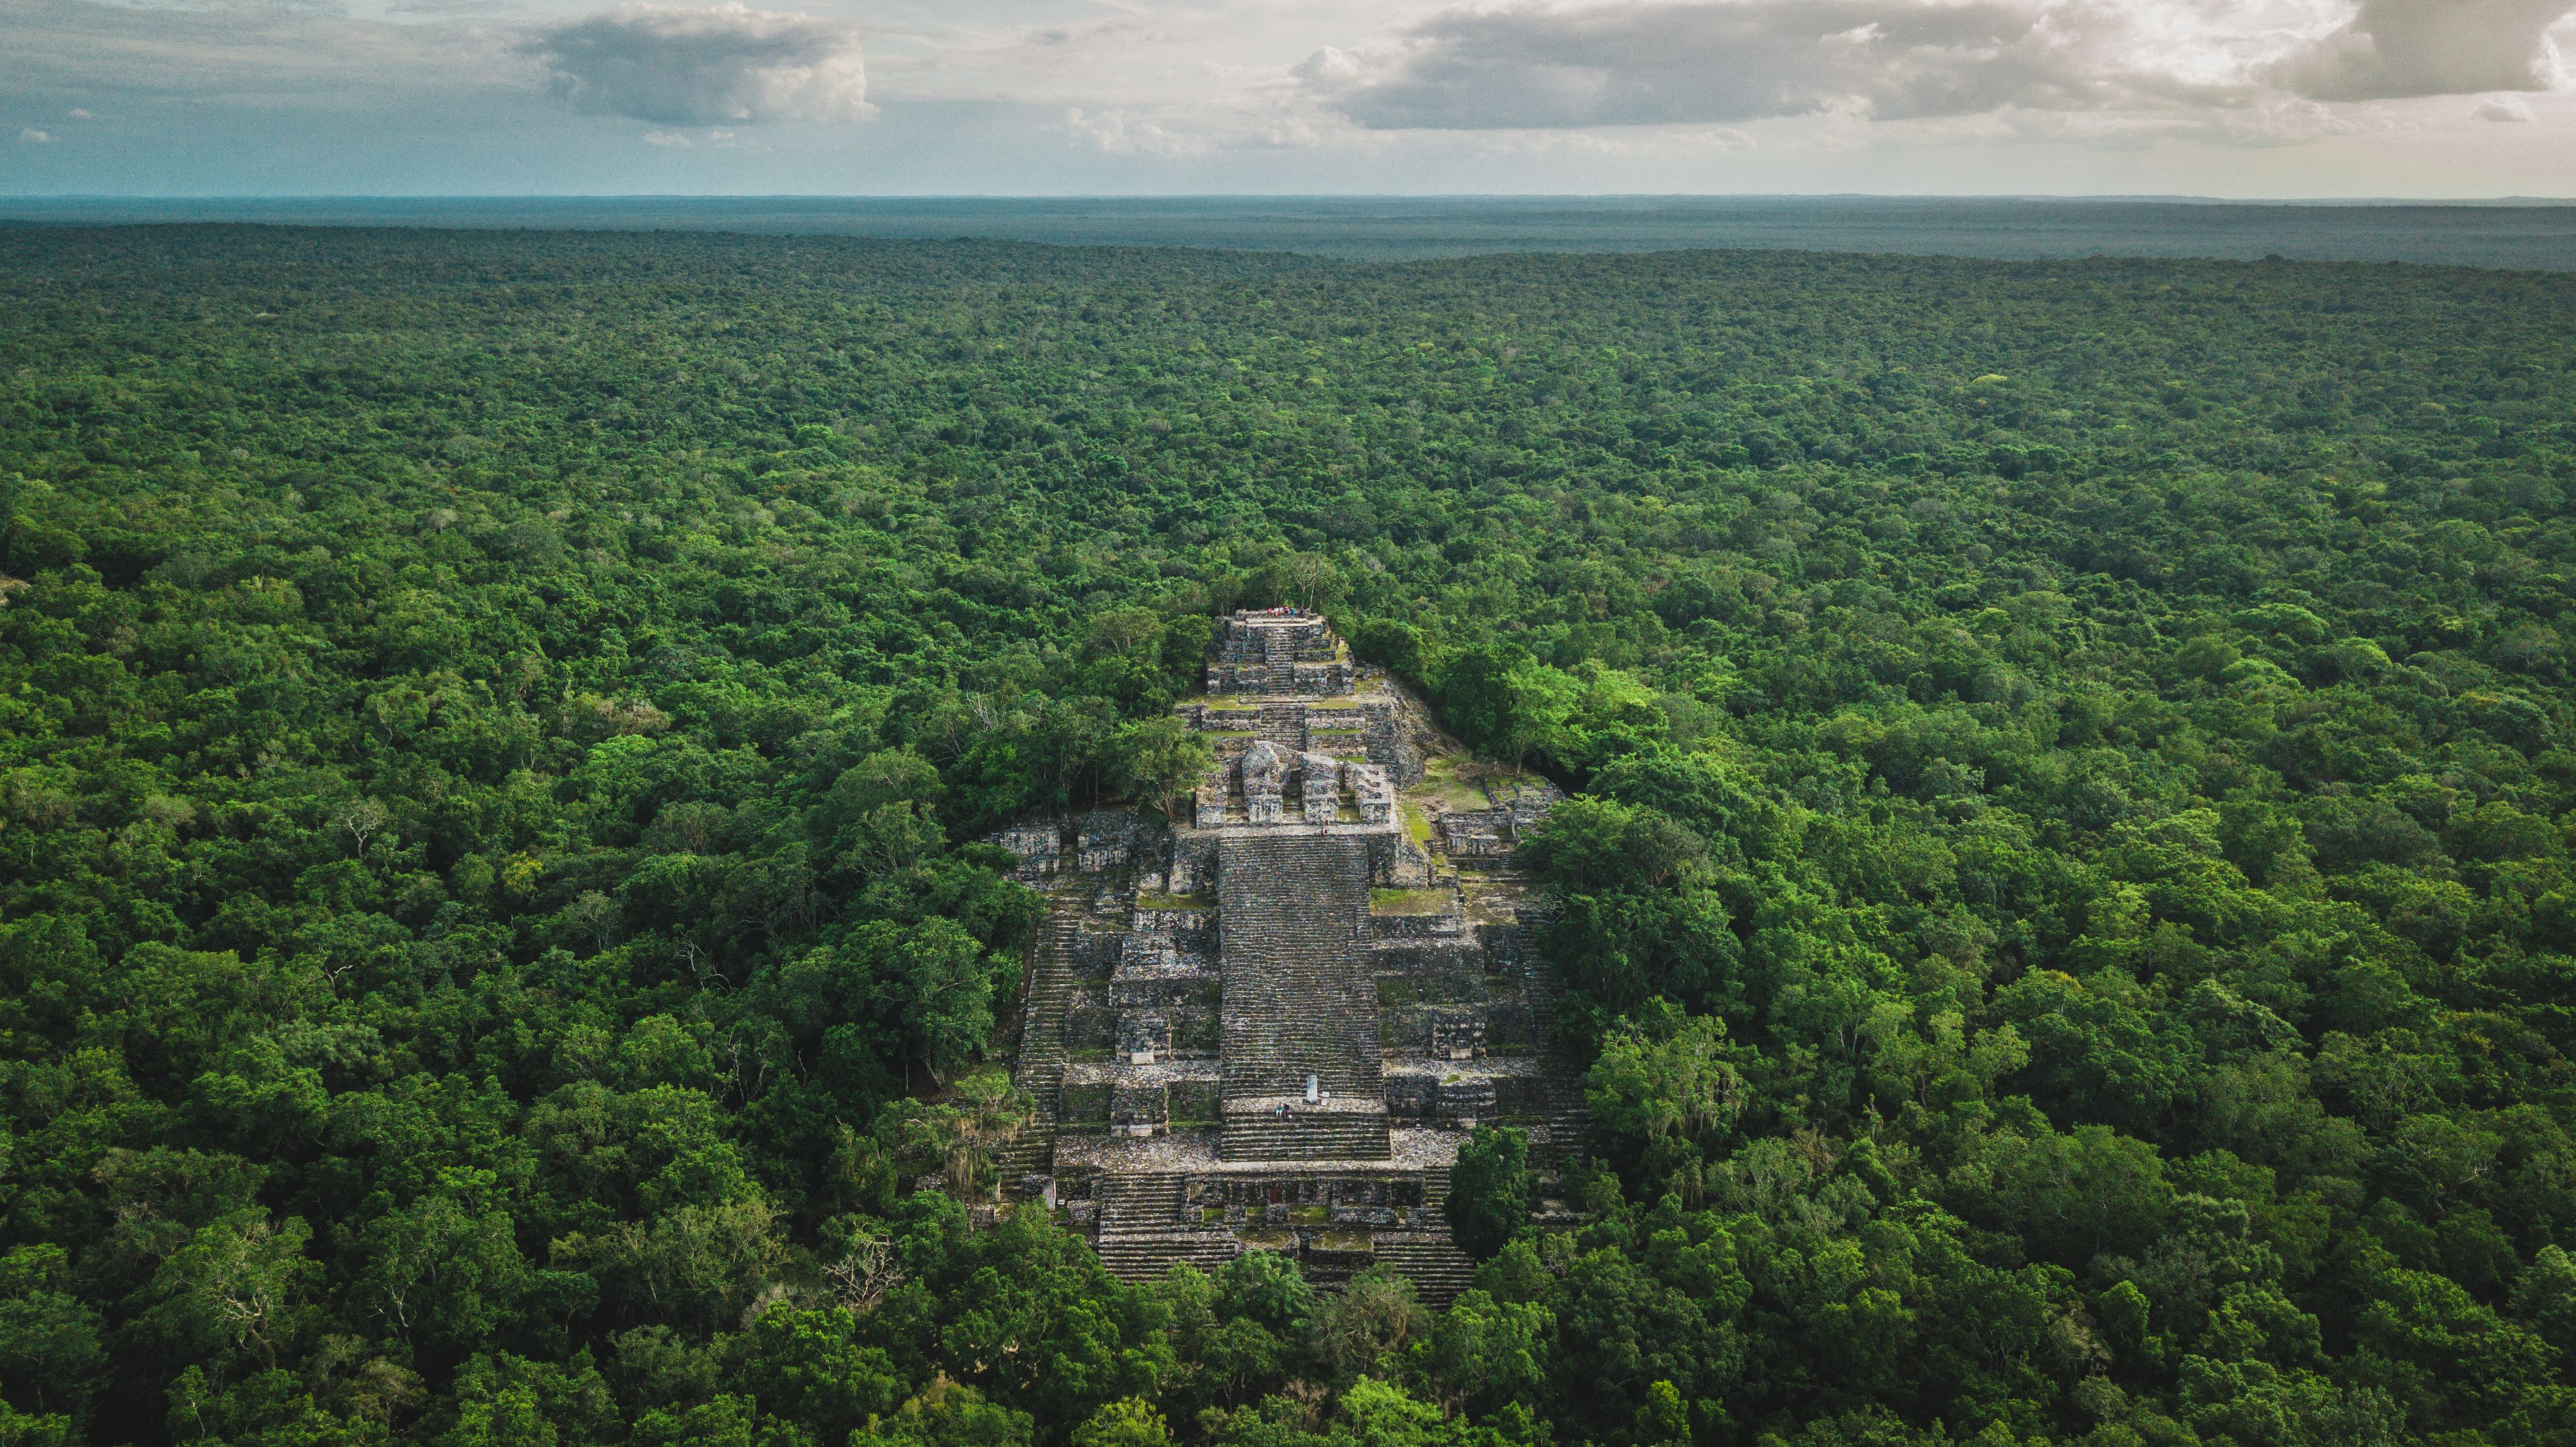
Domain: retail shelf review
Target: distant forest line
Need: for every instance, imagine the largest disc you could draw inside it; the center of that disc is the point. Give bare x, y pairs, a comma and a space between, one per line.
2517, 235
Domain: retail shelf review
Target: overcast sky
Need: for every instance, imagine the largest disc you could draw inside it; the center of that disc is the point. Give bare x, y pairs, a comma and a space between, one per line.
2250, 98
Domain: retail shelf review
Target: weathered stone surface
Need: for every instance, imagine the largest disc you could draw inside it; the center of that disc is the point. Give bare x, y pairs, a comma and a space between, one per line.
1040, 848
1192, 979
1370, 791
1299, 999
1143, 1035
1279, 651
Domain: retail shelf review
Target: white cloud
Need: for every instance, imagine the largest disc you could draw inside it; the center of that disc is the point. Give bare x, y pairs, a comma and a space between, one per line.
1657, 62
33, 137
1112, 132
1291, 132
76, 113
700, 67
670, 139
1331, 66
2503, 108
1662, 62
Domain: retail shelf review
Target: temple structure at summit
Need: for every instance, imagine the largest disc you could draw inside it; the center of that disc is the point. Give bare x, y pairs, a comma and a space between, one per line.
1268, 1025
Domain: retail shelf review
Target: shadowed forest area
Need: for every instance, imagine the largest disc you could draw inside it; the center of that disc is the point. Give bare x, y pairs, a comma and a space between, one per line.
2066, 899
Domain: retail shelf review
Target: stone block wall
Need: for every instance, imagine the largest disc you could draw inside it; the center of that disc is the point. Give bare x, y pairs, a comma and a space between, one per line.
1108, 839
1090, 1024
1370, 792
1084, 1107
1141, 953
1040, 848
1193, 869
1412, 1095
1144, 1036
1384, 735
1095, 954
1423, 1092
1467, 1102
1432, 1030
1290, 1197
1457, 1036
1475, 833
1418, 928
1396, 862
1325, 678
1188, 927
1194, 1102
1319, 788
1138, 1110
1511, 1024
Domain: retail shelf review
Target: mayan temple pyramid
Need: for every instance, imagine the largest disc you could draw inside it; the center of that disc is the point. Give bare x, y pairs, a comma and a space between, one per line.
1269, 1026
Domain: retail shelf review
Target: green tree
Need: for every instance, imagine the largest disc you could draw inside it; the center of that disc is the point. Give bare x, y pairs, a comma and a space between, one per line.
959, 1138
1489, 1190
1665, 1094
1127, 1422
1161, 759
808, 1368
1485, 1355
238, 1284
1373, 1318
50, 1347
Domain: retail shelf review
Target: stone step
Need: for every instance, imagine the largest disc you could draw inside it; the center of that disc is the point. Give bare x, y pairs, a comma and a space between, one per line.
1298, 995
1437, 1269
1140, 1201
1559, 1135
1146, 1256
1040, 1068
1328, 1136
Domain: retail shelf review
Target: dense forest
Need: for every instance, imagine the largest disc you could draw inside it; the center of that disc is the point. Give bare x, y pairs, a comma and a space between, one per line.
2066, 905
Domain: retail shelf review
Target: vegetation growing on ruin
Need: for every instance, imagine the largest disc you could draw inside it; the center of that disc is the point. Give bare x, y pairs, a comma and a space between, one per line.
2068, 896
1411, 901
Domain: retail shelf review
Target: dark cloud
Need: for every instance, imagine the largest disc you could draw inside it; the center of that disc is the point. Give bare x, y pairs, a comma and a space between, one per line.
724, 66
2393, 49
1650, 62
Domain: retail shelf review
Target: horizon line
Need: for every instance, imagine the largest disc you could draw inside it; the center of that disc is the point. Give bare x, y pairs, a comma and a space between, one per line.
2133, 198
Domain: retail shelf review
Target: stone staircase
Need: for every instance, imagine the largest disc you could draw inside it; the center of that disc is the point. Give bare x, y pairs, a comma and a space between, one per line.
1560, 1134
1136, 1203
1141, 1230
1279, 660
1337, 1135
1565, 1121
1143, 1258
1040, 1067
1437, 1269
1283, 724
1299, 998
